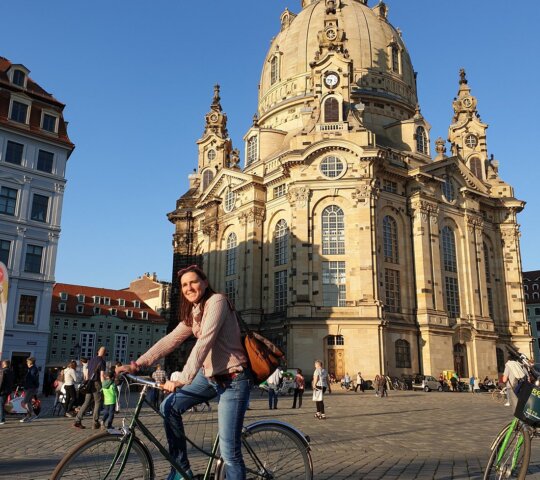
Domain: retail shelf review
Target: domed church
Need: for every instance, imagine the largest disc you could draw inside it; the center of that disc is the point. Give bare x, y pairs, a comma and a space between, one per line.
341, 235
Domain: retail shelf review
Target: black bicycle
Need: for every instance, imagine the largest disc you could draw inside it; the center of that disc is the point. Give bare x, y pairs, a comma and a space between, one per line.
272, 449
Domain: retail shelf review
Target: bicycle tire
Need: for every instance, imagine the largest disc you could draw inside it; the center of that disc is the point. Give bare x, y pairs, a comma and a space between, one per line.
279, 449
504, 468
92, 458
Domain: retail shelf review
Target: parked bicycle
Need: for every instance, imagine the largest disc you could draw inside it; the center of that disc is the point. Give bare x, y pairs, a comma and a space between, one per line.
272, 449
511, 450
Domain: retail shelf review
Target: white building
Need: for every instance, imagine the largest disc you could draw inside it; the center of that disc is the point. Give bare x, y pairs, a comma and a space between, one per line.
34, 149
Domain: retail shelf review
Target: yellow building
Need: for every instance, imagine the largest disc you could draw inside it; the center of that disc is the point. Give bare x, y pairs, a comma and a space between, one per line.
343, 237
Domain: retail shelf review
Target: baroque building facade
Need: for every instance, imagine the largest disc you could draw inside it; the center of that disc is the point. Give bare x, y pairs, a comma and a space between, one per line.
342, 237
34, 151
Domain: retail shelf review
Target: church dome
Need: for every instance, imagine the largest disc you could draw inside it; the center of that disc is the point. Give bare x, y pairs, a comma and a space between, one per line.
381, 69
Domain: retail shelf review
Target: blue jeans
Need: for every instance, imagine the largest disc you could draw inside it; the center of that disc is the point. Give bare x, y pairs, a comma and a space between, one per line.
108, 415
272, 398
233, 399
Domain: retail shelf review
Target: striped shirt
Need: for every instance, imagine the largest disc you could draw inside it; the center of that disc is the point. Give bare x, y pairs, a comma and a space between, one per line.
218, 349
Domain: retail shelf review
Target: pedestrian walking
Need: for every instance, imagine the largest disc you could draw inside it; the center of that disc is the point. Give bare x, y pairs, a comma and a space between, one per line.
70, 379
359, 383
320, 386
96, 375
31, 385
383, 386
217, 367
159, 376
377, 384
274, 381
6, 387
471, 384
110, 394
299, 385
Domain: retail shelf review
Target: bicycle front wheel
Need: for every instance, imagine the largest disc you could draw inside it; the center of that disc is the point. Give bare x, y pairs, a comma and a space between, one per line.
273, 451
100, 457
510, 460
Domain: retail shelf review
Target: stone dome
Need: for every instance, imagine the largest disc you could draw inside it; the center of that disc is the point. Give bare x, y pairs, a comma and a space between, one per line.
382, 72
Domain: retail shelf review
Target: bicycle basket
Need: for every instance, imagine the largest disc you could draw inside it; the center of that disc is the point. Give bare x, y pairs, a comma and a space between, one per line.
528, 404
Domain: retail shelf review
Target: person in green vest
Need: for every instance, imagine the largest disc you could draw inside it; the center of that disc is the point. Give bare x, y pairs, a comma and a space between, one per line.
110, 394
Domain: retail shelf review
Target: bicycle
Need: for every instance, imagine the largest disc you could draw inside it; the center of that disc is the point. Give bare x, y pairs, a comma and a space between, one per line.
271, 448
499, 394
511, 449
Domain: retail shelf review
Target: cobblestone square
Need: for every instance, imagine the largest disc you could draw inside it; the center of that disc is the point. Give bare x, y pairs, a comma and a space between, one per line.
408, 435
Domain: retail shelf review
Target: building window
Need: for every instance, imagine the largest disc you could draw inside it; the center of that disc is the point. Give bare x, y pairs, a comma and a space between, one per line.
486, 264
448, 189
333, 340
136, 304
129, 313
5, 247
389, 186
274, 70
332, 167
230, 200
230, 290
96, 310
113, 312
403, 354
40, 206
19, 112
63, 296
14, 152
392, 290
421, 140
211, 154
27, 309
449, 250
45, 161
106, 301
450, 272
80, 298
334, 284
121, 302
452, 296
395, 59
230, 255
80, 308
471, 141
8, 200
280, 190
19, 78
476, 167
281, 240
331, 110
32, 262
252, 147
537, 311
120, 347
280, 290
88, 344
49, 123
390, 240
333, 231
144, 315
208, 176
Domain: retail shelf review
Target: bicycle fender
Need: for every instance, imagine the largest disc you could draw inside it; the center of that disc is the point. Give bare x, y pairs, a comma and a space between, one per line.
303, 437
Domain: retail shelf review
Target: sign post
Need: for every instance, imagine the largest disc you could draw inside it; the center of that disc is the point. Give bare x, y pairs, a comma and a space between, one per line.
4, 284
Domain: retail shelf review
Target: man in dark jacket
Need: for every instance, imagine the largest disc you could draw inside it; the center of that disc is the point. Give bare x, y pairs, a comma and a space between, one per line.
31, 385
6, 387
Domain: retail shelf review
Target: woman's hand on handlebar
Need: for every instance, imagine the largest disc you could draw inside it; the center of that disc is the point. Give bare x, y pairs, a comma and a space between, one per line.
170, 386
126, 369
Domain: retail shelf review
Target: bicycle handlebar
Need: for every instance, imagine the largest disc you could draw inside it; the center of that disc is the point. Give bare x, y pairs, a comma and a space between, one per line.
140, 380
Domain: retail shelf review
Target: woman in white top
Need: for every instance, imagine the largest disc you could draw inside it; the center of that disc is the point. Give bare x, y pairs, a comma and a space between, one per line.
320, 385
70, 379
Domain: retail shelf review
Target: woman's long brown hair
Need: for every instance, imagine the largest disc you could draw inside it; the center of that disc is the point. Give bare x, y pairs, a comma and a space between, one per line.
186, 306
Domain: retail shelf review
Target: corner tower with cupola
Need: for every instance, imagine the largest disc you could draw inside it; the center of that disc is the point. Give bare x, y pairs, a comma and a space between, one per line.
342, 237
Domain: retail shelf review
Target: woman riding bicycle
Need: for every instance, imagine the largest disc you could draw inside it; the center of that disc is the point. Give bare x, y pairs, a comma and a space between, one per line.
217, 366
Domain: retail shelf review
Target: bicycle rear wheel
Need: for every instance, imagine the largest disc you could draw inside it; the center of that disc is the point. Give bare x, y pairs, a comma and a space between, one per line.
273, 451
94, 457
512, 460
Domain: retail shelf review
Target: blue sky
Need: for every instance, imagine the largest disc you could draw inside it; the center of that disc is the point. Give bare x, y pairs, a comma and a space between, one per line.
137, 79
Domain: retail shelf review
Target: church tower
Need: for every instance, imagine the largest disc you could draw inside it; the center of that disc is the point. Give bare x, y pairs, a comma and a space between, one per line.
343, 237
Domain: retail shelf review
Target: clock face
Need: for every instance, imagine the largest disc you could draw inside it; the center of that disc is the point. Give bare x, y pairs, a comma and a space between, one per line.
467, 102
331, 79
213, 117
331, 34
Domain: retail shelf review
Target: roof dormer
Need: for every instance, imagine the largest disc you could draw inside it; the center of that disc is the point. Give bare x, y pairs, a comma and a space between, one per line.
18, 75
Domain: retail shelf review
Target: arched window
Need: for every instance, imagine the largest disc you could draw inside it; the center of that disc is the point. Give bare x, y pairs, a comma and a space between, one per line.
395, 59
476, 167
331, 110
230, 261
488, 280
274, 70
333, 231
207, 178
403, 354
536, 295
535, 286
281, 239
390, 243
526, 296
252, 150
421, 140
449, 260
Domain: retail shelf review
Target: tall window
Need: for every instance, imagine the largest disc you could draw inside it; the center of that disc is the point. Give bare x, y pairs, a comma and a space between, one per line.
27, 309
450, 271
421, 140
207, 178
230, 290
14, 152
333, 231
281, 239
395, 59
390, 243
18, 78
45, 161
274, 70
5, 247
19, 112
88, 344
334, 284
49, 123
403, 354
32, 261
280, 290
392, 290
476, 167
8, 200
488, 280
230, 260
331, 110
40, 205
252, 150
120, 347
